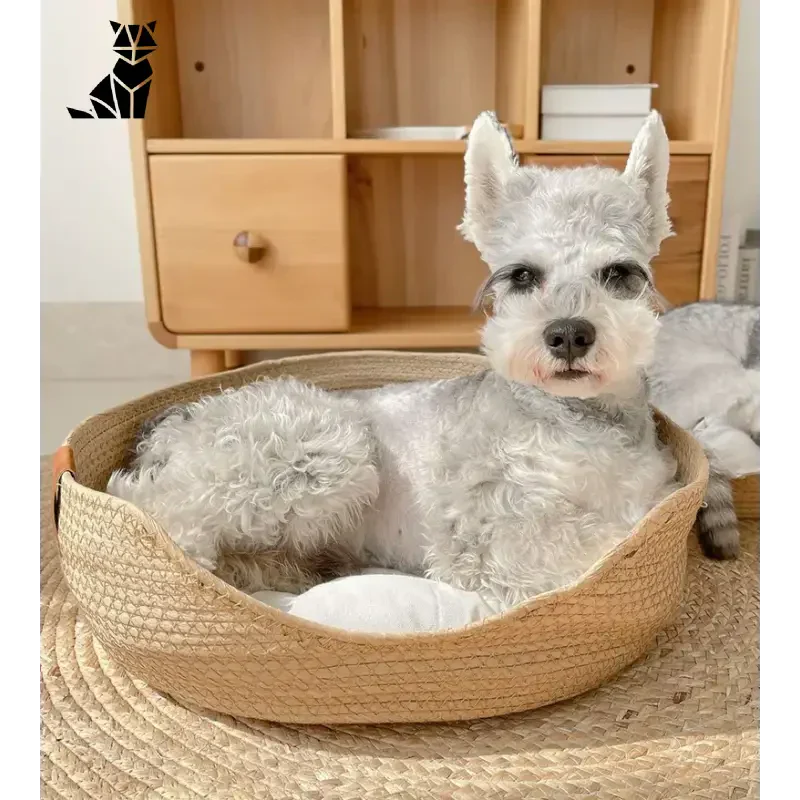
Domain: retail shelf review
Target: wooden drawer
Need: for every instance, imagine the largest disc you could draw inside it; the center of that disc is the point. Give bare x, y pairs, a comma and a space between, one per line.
678, 266
294, 205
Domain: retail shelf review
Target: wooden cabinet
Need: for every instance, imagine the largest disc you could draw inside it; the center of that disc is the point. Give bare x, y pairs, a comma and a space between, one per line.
269, 221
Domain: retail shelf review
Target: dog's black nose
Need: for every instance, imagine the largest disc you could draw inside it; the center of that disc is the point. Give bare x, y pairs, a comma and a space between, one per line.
570, 338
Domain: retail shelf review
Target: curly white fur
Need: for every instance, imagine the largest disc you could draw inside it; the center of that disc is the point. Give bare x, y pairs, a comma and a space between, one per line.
273, 465
706, 376
511, 482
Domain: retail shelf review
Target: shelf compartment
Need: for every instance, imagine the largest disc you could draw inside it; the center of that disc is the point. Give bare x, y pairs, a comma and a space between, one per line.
239, 68
690, 64
435, 62
597, 41
677, 44
404, 248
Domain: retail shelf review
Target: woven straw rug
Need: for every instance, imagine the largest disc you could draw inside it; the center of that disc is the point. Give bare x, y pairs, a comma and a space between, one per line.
682, 723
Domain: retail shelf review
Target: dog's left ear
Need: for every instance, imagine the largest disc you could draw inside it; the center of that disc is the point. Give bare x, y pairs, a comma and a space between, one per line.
488, 164
647, 169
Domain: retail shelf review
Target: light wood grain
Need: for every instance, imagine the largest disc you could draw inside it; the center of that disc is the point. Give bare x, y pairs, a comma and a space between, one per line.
676, 148
129, 12
517, 50
404, 247
533, 70
677, 268
397, 147
296, 204
266, 67
376, 329
690, 40
595, 41
418, 63
206, 362
338, 96
693, 61
163, 117
234, 359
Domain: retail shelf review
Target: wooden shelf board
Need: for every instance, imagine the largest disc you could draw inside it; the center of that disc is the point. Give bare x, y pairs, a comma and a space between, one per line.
371, 328
399, 147
676, 148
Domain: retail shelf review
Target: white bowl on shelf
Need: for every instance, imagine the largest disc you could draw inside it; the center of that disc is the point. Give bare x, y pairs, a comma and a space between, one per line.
424, 132
430, 132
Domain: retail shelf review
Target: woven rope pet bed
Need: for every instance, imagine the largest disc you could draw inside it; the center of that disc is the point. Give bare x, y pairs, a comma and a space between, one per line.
186, 633
680, 724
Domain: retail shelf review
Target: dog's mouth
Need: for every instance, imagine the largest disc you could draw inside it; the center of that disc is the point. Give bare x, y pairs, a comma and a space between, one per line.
571, 374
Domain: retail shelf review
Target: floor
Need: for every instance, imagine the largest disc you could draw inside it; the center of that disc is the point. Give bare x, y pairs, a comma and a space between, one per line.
93, 357
65, 403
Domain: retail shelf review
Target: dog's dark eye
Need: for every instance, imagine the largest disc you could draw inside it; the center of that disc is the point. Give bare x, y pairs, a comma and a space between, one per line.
514, 279
616, 272
623, 277
524, 277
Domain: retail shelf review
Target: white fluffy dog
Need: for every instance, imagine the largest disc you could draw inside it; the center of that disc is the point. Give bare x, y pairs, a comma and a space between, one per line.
511, 482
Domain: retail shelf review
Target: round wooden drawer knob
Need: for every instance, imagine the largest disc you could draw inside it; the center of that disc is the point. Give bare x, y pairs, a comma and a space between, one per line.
249, 247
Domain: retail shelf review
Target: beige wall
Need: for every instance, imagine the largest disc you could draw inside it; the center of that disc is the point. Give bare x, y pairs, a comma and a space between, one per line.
742, 177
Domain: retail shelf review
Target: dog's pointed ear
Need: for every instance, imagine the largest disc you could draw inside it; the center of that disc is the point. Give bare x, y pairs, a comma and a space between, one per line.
489, 162
115, 26
647, 169
151, 26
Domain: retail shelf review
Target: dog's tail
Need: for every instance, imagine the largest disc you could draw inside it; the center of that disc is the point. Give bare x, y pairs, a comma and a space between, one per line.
718, 526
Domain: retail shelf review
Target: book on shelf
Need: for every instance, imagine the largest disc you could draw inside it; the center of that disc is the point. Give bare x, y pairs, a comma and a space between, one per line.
748, 288
728, 259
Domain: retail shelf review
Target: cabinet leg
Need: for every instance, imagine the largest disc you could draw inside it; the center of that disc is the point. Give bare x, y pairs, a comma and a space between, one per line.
234, 359
207, 362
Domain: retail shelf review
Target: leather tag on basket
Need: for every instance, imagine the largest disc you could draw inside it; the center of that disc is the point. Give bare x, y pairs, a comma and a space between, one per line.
63, 461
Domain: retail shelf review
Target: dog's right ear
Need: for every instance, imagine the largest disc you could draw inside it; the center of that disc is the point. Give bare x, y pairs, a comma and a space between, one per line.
115, 25
489, 163
647, 169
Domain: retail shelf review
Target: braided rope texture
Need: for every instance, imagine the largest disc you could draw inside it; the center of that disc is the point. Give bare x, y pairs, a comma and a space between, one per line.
184, 632
680, 724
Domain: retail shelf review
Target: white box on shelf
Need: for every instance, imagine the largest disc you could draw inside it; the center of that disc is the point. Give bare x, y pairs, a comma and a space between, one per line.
728, 259
605, 99
591, 128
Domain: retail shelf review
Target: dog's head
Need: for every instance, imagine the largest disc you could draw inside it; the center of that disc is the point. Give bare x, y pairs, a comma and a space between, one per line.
134, 42
573, 304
